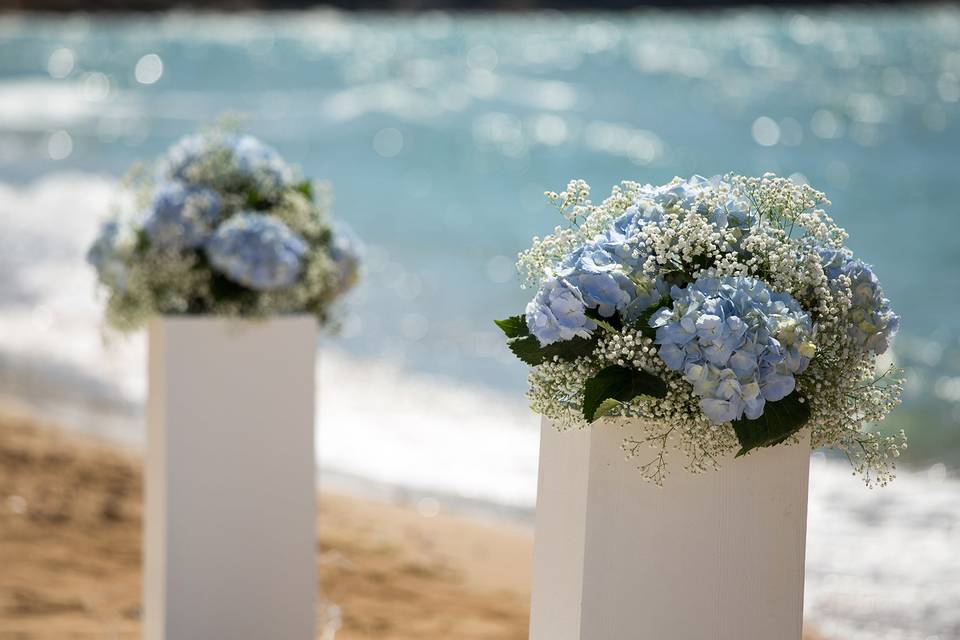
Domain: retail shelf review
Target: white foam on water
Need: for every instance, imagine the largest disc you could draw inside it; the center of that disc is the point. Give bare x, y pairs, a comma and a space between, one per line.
881, 563
53, 316
394, 427
34, 105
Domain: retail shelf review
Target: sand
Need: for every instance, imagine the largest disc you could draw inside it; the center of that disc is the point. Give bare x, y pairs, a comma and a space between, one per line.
70, 511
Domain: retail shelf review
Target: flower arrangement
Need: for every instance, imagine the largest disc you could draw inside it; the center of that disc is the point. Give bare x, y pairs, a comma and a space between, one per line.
725, 314
223, 226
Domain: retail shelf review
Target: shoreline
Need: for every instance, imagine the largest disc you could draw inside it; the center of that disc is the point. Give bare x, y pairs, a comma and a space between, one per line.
70, 512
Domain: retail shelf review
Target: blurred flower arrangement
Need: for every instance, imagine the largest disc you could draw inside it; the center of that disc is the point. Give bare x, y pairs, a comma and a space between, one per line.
222, 226
724, 313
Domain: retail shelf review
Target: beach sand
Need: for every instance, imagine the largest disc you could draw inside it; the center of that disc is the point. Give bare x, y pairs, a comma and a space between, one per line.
70, 511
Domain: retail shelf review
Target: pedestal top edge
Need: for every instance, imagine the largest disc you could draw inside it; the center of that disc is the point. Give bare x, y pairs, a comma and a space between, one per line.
209, 319
617, 428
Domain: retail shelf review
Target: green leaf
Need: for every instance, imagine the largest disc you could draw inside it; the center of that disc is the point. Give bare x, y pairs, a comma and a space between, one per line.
779, 421
306, 188
257, 201
526, 346
642, 323
570, 349
514, 326
612, 324
606, 326
527, 349
678, 278
606, 408
619, 383
143, 241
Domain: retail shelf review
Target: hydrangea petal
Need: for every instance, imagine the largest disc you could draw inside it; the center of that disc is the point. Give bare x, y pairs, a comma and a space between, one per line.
181, 216
874, 322
257, 251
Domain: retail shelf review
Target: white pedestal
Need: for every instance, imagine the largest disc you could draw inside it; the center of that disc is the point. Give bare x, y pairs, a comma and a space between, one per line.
230, 495
715, 556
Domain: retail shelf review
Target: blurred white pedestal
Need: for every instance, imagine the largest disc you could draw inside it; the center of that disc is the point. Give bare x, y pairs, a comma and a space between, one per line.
230, 495
715, 556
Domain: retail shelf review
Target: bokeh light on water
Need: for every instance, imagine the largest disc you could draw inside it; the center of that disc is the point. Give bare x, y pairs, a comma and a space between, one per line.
440, 136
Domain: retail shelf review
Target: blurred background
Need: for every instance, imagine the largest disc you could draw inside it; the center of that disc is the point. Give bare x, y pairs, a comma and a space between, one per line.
439, 132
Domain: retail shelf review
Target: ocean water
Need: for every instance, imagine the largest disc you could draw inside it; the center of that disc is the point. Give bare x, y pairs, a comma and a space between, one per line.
439, 134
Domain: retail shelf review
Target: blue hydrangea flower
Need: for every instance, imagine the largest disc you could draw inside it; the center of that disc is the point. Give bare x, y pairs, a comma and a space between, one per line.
181, 216
257, 251
604, 275
345, 250
600, 279
632, 221
833, 260
688, 195
558, 313
185, 154
249, 158
621, 240
255, 158
873, 321
737, 342
104, 255
678, 193
652, 202
735, 212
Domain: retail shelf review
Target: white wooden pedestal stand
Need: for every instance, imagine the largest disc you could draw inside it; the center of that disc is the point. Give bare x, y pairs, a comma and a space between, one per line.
714, 556
229, 512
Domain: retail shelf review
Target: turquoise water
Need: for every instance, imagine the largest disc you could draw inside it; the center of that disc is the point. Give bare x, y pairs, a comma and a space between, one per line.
440, 134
